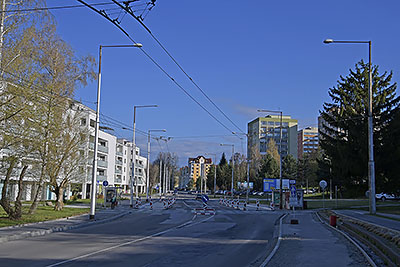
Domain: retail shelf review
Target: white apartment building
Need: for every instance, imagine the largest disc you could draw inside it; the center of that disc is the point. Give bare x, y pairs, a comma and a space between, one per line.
114, 163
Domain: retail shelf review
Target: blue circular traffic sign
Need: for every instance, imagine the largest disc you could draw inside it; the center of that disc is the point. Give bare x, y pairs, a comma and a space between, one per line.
204, 198
105, 183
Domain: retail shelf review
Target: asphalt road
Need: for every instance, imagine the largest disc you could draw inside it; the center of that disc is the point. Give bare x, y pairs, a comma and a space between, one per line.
158, 237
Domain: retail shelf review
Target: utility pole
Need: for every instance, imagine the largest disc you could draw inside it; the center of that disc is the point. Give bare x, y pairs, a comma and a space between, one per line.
165, 179
148, 162
280, 155
233, 165
96, 132
159, 189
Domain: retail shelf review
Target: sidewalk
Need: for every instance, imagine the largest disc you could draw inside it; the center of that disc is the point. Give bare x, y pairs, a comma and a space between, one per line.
311, 243
59, 225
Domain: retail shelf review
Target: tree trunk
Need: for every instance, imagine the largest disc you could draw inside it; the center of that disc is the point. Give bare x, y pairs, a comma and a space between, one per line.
4, 201
18, 205
38, 194
60, 201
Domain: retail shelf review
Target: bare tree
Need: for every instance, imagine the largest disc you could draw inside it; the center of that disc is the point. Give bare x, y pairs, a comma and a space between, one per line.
65, 160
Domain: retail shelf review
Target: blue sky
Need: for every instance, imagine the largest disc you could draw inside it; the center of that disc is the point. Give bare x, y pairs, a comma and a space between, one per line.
245, 55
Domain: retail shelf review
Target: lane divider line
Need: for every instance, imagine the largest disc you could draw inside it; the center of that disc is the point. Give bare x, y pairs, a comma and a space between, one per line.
130, 242
268, 259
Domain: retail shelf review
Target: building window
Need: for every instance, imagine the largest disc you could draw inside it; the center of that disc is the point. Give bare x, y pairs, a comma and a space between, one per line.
92, 123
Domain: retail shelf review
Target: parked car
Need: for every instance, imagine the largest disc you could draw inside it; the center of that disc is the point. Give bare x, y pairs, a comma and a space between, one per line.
227, 192
384, 196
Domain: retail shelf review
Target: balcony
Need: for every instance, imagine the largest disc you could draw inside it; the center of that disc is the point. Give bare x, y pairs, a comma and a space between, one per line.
119, 162
101, 178
102, 163
118, 171
102, 148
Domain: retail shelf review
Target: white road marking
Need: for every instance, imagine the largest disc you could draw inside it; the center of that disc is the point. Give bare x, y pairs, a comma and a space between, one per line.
131, 242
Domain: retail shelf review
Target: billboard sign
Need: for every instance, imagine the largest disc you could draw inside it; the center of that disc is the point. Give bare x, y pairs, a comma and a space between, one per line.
274, 184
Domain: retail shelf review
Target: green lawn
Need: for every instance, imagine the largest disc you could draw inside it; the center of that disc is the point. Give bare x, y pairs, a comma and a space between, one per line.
83, 201
351, 203
43, 213
331, 204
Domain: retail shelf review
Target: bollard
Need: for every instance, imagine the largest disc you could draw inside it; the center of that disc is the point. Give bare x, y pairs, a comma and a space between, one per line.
244, 206
332, 220
151, 205
258, 204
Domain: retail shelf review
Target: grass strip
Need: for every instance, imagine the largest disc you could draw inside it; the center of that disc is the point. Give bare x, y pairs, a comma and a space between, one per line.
43, 213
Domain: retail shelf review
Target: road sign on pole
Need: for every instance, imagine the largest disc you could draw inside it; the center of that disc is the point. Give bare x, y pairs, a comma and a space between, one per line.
292, 190
323, 184
105, 183
204, 198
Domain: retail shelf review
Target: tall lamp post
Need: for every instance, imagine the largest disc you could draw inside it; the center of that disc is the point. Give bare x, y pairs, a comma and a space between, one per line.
280, 154
371, 163
148, 161
165, 139
248, 166
233, 163
96, 132
215, 170
134, 153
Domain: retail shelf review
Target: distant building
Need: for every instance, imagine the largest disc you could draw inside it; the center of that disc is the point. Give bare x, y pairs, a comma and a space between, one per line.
199, 166
262, 129
307, 141
184, 177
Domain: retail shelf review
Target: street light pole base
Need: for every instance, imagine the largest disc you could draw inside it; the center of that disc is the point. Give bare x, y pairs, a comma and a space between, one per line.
131, 205
91, 217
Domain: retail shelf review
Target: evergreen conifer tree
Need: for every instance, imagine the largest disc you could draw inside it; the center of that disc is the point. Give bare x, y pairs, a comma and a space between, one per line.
344, 133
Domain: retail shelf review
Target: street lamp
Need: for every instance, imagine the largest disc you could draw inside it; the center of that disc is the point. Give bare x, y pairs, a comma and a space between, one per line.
280, 155
248, 167
165, 139
96, 131
371, 163
134, 153
148, 161
215, 170
233, 163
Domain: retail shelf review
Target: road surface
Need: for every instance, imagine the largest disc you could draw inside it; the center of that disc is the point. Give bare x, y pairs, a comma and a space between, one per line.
158, 237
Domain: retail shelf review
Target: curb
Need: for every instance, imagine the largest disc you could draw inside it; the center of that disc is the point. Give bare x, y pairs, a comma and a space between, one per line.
277, 237
59, 228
